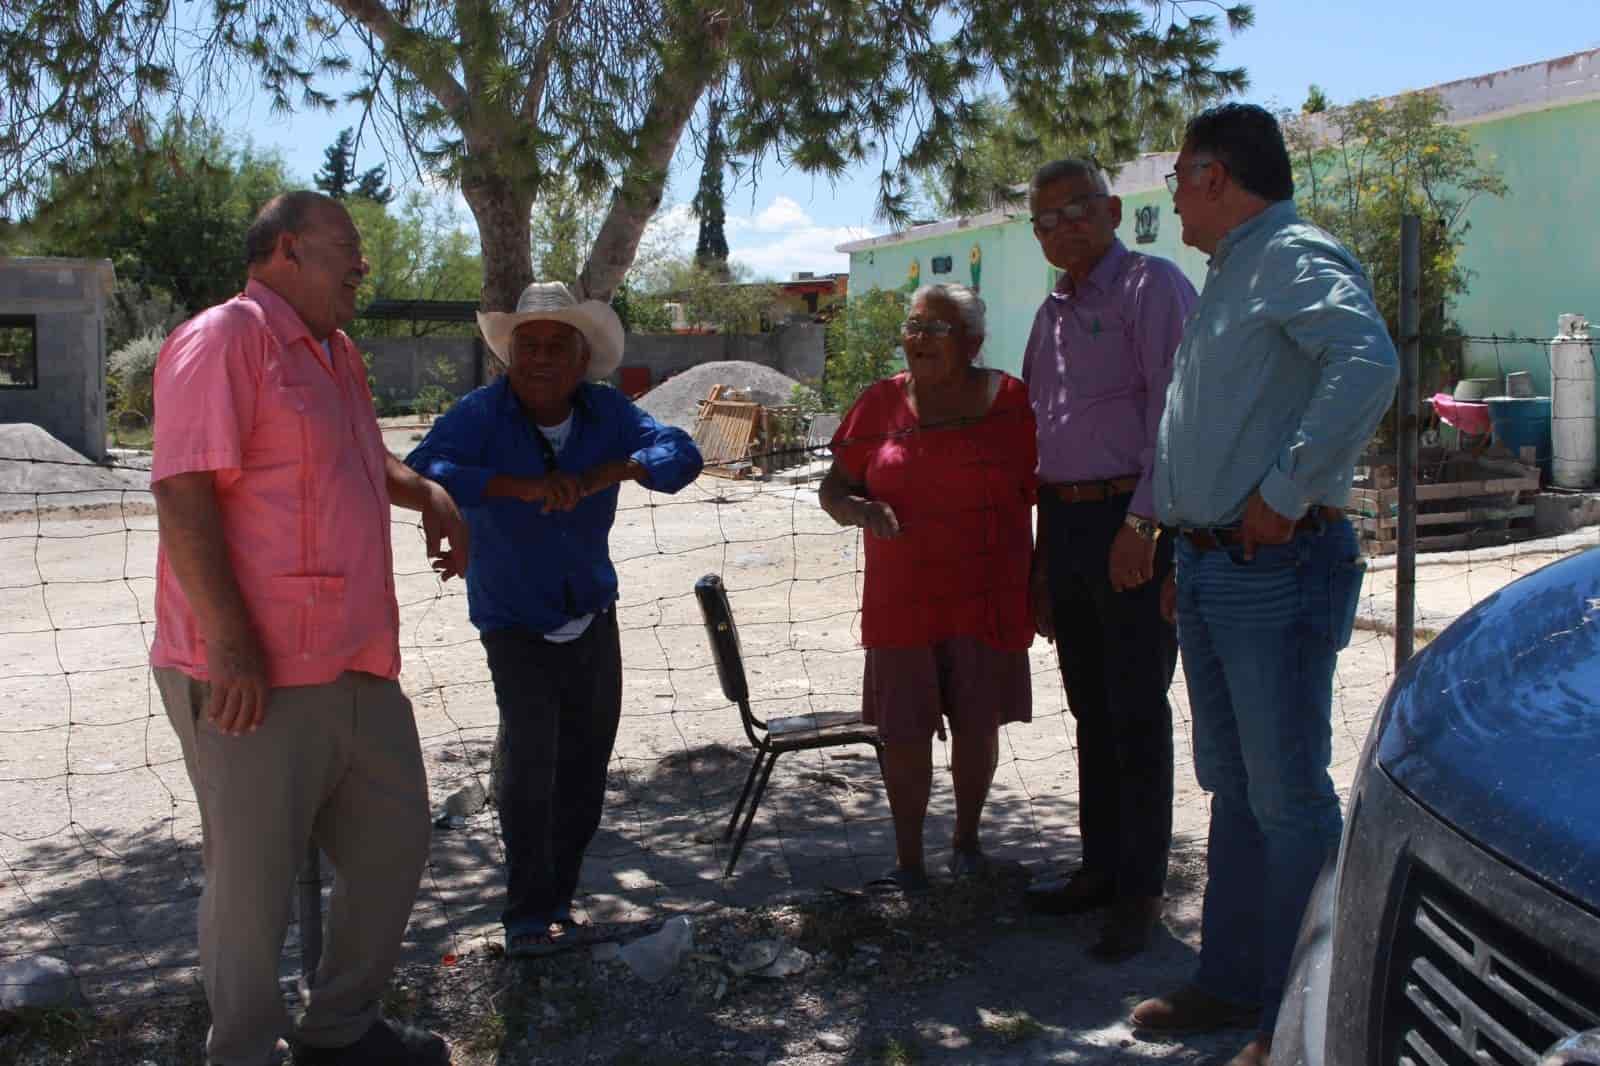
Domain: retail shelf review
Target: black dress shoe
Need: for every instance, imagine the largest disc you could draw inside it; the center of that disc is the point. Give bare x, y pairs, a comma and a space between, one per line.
1084, 891
1129, 926
386, 1043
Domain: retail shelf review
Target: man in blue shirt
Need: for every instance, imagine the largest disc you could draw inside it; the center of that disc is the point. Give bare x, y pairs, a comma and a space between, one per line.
1284, 370
534, 461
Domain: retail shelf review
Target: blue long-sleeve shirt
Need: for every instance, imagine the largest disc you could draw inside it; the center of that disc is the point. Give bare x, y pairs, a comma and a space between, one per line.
531, 568
1284, 370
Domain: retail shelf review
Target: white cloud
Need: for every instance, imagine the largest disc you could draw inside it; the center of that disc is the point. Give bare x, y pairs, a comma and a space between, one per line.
782, 214
782, 238
776, 241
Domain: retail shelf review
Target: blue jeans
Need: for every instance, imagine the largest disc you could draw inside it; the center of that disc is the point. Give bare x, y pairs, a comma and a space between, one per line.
1259, 642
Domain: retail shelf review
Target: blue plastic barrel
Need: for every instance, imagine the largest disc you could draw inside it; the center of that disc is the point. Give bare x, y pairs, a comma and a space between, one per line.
1523, 422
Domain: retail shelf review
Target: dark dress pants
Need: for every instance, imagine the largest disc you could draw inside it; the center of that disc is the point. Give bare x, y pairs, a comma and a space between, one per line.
559, 709
1117, 657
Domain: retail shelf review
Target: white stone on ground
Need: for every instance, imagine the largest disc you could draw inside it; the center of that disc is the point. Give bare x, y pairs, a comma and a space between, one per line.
39, 982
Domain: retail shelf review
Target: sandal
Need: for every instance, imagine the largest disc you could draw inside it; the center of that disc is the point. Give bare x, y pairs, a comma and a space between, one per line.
899, 881
566, 934
968, 863
536, 943
574, 933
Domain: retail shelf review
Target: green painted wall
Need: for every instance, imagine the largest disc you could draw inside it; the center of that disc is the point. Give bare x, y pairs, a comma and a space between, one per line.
1535, 253
1013, 276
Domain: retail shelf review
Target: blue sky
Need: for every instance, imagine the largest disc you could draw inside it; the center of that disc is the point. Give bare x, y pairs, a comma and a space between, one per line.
1352, 48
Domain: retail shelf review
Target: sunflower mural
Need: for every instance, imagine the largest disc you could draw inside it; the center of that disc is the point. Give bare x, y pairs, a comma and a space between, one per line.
975, 267
913, 276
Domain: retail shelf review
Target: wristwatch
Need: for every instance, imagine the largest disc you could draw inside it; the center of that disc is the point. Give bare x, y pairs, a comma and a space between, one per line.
1142, 526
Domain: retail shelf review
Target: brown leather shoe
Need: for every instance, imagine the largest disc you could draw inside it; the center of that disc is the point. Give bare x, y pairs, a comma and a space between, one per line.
1128, 928
1255, 1053
1084, 891
1191, 1010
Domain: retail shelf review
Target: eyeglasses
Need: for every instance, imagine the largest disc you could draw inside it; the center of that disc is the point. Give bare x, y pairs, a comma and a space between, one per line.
1076, 211
1174, 177
927, 327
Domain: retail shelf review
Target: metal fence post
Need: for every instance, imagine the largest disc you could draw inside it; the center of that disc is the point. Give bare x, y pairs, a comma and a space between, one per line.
1405, 591
310, 908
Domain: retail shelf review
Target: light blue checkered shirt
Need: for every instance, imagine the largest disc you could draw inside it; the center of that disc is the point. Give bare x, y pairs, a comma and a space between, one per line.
1284, 370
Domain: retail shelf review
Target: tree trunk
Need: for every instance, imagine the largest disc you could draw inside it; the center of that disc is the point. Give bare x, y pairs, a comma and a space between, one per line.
674, 96
504, 231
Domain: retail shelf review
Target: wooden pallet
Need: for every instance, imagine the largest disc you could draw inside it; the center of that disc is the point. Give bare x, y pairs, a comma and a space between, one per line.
1471, 502
724, 431
741, 439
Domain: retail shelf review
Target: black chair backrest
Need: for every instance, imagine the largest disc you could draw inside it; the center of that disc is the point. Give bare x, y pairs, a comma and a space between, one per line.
724, 637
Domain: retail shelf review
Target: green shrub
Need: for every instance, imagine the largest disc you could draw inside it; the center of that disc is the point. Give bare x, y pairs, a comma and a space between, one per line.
130, 378
863, 346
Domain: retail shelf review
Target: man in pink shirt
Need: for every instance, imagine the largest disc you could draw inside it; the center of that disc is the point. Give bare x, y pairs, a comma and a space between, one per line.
277, 641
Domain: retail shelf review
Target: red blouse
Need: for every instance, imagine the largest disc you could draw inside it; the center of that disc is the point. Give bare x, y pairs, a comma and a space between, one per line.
963, 497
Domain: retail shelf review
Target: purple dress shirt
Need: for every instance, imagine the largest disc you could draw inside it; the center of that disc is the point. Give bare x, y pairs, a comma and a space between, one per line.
1097, 366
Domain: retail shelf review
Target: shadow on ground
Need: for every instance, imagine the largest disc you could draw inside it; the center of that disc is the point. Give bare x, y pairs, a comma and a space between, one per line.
966, 974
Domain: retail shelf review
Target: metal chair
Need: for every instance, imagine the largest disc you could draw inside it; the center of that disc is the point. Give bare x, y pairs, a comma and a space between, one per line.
770, 739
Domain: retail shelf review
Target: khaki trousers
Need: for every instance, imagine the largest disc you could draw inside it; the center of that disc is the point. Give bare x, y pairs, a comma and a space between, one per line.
339, 764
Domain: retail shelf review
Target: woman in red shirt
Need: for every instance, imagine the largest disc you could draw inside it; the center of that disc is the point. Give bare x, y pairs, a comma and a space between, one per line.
937, 465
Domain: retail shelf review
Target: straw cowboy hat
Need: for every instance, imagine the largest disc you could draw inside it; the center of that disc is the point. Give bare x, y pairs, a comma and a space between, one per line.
551, 300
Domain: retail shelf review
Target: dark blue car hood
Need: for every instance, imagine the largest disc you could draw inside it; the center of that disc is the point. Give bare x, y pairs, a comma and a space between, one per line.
1495, 726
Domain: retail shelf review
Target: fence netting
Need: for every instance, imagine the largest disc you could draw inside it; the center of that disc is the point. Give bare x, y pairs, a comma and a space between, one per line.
99, 839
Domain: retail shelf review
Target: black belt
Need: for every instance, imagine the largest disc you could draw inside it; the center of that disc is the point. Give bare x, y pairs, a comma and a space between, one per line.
1210, 539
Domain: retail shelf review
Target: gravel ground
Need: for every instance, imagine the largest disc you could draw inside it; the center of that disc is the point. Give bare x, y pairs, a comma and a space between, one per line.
98, 829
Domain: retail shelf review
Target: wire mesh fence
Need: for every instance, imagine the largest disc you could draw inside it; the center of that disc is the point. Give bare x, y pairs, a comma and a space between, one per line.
99, 859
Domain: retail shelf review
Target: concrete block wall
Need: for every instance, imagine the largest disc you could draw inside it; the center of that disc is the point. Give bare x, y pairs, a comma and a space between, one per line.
66, 299
403, 366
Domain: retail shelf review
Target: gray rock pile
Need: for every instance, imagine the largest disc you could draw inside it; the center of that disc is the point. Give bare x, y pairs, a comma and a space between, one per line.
676, 400
37, 471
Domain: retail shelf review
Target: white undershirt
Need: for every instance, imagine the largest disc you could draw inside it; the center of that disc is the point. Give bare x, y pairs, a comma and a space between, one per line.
557, 436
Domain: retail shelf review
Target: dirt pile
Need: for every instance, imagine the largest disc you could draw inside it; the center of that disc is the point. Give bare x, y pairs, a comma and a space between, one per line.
38, 472
676, 400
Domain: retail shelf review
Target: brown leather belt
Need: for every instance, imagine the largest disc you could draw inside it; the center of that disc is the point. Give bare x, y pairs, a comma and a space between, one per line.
1091, 491
1207, 540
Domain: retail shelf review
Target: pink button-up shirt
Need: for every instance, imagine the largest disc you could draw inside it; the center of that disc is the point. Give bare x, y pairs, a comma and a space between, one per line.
1097, 366
287, 427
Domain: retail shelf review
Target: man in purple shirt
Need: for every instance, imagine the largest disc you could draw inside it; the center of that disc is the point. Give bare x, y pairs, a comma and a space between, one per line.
1097, 366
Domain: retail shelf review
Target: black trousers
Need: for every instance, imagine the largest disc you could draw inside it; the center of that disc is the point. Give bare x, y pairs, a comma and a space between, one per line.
559, 709
1117, 657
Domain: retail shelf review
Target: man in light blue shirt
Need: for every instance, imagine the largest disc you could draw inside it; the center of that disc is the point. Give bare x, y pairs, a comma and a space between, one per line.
1284, 370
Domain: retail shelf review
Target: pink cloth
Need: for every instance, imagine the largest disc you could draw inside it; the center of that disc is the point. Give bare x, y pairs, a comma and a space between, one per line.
1465, 415
243, 390
1097, 365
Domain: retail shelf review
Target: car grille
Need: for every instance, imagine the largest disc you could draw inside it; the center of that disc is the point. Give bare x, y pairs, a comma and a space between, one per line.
1464, 987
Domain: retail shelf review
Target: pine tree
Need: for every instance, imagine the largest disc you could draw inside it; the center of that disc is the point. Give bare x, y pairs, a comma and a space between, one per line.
374, 185
338, 167
711, 250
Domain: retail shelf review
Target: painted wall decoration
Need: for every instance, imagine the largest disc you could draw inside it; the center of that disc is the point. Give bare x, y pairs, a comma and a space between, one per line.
975, 267
913, 276
1147, 224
